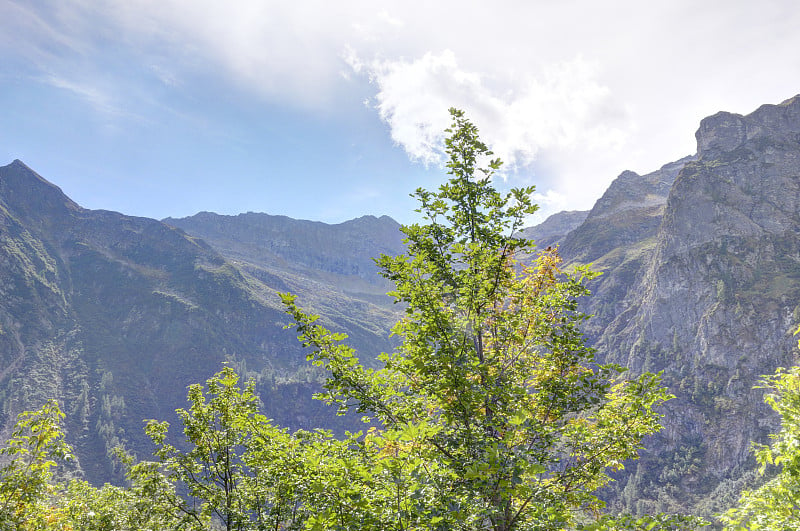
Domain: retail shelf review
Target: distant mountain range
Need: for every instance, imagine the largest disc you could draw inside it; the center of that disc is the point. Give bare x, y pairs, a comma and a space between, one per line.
115, 315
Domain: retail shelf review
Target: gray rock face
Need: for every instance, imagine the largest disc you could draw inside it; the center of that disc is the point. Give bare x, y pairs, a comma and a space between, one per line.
725, 132
714, 304
628, 212
618, 236
701, 263
731, 217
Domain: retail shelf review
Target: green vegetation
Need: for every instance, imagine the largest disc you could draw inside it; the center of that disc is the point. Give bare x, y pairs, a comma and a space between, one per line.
31, 451
491, 414
240, 472
776, 504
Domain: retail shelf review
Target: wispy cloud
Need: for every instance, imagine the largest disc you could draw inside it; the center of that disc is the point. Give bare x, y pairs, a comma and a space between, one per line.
33, 35
98, 99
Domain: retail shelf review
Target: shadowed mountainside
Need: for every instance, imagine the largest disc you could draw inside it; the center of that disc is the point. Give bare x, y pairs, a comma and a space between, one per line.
115, 315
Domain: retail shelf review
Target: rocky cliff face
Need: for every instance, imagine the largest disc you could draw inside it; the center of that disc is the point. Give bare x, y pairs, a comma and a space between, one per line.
618, 236
705, 287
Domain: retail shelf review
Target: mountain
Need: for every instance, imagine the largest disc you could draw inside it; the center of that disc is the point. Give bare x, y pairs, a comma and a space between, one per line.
618, 235
332, 267
344, 252
115, 315
552, 231
701, 281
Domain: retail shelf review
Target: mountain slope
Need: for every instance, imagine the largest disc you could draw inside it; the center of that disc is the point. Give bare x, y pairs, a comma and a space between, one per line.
305, 247
115, 315
330, 267
618, 236
552, 231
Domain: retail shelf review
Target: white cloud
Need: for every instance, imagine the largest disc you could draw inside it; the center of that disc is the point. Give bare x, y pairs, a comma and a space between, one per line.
286, 52
565, 109
550, 202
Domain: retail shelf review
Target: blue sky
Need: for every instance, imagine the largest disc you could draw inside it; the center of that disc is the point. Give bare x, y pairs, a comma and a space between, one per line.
331, 110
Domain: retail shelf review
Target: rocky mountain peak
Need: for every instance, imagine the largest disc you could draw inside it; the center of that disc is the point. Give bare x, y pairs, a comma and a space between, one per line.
631, 191
724, 132
745, 180
20, 184
36, 202
715, 301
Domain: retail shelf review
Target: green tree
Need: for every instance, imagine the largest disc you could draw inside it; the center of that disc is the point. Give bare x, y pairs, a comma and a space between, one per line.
776, 504
26, 488
493, 413
147, 502
32, 498
236, 467
217, 430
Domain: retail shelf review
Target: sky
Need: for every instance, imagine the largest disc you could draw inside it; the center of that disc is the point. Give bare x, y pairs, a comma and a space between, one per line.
330, 110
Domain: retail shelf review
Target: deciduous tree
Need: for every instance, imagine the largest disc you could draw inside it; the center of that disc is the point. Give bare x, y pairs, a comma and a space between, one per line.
776, 504
493, 413
26, 488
